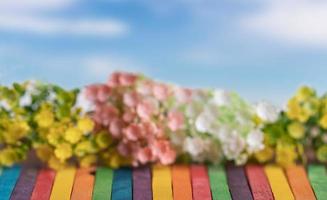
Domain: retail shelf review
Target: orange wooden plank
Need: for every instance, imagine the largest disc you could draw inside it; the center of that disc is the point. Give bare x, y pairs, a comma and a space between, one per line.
182, 189
83, 184
299, 182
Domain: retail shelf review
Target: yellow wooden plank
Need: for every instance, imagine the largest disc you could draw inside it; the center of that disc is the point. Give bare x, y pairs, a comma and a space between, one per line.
278, 183
161, 183
63, 184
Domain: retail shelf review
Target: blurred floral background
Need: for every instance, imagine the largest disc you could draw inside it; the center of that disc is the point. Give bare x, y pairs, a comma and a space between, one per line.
199, 43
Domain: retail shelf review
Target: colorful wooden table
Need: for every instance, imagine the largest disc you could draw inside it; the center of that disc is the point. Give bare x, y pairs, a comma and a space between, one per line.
178, 182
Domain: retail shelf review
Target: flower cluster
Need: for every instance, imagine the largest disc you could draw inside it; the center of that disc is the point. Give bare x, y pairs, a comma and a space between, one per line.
44, 118
219, 125
14, 127
132, 110
300, 133
134, 120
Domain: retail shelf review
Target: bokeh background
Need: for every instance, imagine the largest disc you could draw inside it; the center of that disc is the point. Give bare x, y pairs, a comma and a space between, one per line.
263, 49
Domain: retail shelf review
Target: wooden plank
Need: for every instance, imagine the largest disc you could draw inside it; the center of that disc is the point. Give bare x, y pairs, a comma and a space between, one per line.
278, 183
238, 184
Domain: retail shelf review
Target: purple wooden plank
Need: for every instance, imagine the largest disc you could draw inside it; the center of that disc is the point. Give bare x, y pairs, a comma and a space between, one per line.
142, 189
25, 184
238, 184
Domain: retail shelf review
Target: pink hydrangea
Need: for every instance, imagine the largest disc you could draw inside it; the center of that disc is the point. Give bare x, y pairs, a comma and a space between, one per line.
128, 108
175, 120
161, 91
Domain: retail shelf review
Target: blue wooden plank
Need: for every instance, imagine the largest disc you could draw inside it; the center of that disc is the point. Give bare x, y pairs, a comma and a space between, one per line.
8, 180
122, 184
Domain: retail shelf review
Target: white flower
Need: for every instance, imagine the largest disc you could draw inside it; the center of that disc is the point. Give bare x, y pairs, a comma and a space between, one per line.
222, 133
194, 146
31, 87
193, 109
241, 159
221, 97
206, 121
4, 105
83, 103
267, 112
233, 146
52, 96
201, 123
242, 120
25, 100
254, 141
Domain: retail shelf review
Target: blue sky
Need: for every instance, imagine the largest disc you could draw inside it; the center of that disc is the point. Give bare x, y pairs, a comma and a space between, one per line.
263, 49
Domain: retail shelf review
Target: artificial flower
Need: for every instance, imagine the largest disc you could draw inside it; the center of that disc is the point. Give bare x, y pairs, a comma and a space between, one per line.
264, 155
286, 154
134, 120
85, 124
296, 130
323, 121
322, 153
63, 151
73, 135
132, 110
267, 112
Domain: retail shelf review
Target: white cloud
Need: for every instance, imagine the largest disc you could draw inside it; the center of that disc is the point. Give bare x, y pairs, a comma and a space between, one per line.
30, 16
54, 26
296, 21
33, 5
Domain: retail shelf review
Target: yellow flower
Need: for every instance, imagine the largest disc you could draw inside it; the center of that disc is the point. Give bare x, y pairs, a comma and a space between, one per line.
322, 153
43, 133
53, 138
73, 135
114, 160
311, 106
85, 124
296, 112
286, 154
15, 131
63, 151
296, 130
323, 121
300, 150
84, 147
103, 140
293, 108
88, 160
303, 116
8, 157
257, 120
304, 93
56, 164
324, 104
44, 152
264, 155
45, 117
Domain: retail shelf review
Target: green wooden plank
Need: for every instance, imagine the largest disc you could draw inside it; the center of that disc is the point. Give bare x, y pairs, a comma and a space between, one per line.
218, 183
318, 179
103, 184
